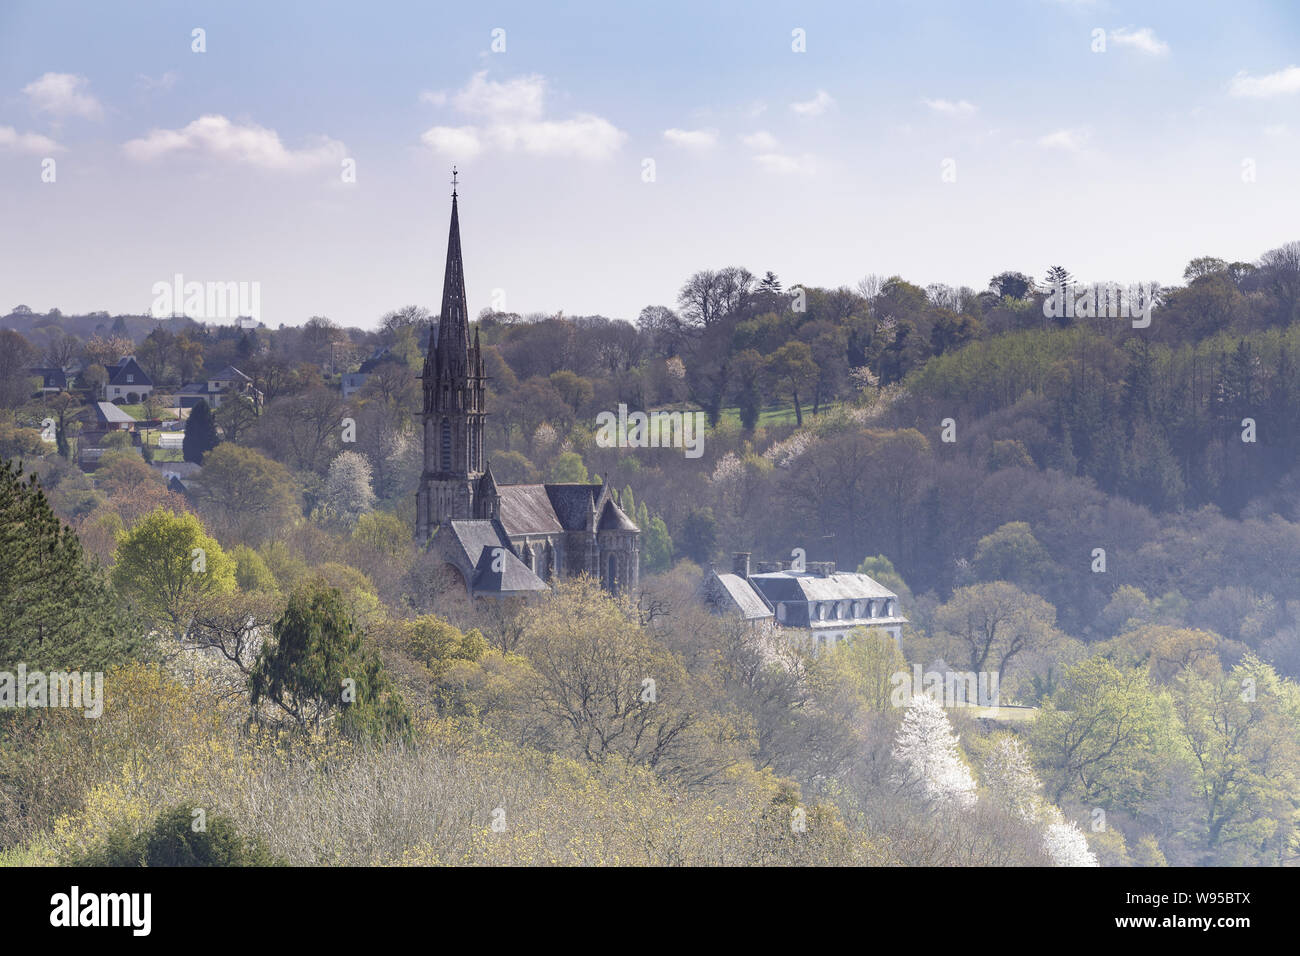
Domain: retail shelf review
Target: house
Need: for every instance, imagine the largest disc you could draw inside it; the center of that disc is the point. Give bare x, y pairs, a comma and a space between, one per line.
824, 605
127, 382
53, 380
112, 418
353, 382
501, 540
218, 386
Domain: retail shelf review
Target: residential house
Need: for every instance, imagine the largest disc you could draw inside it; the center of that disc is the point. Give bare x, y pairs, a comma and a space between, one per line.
824, 605
127, 382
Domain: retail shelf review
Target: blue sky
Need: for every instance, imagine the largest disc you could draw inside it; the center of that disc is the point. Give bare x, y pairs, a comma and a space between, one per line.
823, 165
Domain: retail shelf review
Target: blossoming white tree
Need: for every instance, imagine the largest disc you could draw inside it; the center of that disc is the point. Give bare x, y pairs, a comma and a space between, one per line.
1012, 784
929, 760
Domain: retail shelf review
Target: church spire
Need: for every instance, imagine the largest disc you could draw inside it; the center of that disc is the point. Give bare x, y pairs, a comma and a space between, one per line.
452, 347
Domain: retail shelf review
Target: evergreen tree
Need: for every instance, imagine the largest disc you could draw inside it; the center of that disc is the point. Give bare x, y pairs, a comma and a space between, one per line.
56, 609
657, 546
200, 434
316, 668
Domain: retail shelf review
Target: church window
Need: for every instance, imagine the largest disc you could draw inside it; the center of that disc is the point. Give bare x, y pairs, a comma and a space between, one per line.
446, 445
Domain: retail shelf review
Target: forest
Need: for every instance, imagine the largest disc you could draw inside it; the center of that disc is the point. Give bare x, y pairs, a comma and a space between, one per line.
1106, 517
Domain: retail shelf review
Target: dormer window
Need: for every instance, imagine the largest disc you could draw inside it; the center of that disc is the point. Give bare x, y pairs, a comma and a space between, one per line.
130, 379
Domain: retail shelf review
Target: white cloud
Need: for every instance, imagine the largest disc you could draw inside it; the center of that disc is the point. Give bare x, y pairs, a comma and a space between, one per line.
63, 94
434, 97
249, 144
696, 139
149, 84
948, 106
10, 138
1067, 139
761, 140
509, 116
1273, 84
1144, 40
816, 106
456, 142
781, 163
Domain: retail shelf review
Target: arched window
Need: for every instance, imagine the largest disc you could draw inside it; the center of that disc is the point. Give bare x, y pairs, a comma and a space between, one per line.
446, 445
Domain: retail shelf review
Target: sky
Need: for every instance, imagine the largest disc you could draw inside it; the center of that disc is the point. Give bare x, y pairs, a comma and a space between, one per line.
607, 151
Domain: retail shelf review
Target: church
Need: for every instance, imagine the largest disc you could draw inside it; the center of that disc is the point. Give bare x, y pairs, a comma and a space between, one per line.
501, 540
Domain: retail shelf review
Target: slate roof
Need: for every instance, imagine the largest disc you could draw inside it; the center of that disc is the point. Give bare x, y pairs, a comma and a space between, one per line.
514, 575
527, 509
615, 519
229, 374
113, 415
51, 377
572, 503
475, 534
128, 366
807, 586
746, 600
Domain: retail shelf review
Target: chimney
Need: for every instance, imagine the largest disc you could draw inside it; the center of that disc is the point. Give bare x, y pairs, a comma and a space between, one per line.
822, 568
740, 564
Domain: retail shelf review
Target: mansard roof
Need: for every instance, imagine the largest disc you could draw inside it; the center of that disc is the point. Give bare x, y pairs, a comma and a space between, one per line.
810, 586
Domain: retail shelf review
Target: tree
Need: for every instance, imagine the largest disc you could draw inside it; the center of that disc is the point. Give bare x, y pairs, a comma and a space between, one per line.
657, 545
174, 841
1058, 277
929, 760
200, 433
700, 535
989, 624
56, 609
245, 494
166, 564
791, 369
708, 297
1241, 729
348, 491
316, 670
236, 415
568, 467
1013, 285
1105, 735
1203, 266
590, 691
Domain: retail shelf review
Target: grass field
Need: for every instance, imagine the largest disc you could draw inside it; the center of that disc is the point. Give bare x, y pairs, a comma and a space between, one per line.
776, 414
137, 412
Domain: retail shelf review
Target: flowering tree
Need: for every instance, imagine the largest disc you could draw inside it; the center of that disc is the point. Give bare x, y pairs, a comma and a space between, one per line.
928, 756
1012, 784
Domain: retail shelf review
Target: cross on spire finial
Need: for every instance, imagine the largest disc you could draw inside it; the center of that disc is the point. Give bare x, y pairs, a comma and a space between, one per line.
454, 174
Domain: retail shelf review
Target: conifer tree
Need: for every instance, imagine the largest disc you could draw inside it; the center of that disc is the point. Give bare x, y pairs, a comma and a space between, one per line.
200, 434
56, 609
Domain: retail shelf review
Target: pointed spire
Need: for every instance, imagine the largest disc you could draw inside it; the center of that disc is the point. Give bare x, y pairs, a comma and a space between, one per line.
452, 343
488, 483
